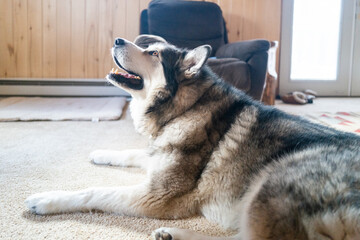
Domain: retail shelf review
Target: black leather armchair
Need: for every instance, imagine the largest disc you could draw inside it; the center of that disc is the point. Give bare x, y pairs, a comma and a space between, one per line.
192, 23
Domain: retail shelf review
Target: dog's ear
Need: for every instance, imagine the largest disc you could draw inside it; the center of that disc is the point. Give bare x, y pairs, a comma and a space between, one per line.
145, 40
195, 59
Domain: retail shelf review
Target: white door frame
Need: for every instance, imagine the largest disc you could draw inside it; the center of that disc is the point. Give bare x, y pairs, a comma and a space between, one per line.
355, 77
340, 87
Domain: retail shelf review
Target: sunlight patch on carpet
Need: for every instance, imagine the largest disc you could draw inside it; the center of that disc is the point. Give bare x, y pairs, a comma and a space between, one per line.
345, 121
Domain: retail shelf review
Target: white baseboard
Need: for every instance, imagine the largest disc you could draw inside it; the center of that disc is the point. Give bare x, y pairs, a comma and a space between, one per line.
58, 87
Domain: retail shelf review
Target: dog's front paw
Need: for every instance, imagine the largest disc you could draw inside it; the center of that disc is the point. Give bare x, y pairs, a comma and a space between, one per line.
100, 157
162, 234
44, 203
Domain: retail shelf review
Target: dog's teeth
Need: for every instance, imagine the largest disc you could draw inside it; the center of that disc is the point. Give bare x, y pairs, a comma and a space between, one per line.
112, 70
116, 71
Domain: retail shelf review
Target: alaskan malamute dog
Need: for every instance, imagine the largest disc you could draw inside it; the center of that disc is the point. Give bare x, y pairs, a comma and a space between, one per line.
213, 151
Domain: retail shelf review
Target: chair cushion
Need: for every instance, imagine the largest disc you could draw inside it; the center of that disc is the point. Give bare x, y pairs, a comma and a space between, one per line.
233, 71
187, 24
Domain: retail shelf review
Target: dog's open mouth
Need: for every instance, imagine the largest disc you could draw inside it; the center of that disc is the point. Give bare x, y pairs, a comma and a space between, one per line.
126, 78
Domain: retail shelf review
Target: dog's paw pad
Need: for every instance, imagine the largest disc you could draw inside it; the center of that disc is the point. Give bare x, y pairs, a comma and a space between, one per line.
162, 234
36, 204
99, 157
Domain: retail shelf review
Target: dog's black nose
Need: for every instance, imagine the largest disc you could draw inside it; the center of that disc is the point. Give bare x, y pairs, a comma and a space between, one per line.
119, 42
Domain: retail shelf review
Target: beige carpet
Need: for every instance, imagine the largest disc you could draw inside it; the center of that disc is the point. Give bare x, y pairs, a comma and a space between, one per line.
43, 156
60, 109
322, 104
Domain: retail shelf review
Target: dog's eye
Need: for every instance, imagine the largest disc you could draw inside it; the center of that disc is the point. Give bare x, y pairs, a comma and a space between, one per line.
154, 53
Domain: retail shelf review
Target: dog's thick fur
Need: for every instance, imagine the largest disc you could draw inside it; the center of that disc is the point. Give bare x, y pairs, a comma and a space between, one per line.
213, 151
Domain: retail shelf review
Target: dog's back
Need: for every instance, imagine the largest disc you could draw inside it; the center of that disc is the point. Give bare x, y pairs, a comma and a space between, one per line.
304, 179
311, 194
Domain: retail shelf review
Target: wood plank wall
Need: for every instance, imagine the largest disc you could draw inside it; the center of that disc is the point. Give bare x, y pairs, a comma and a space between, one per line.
72, 38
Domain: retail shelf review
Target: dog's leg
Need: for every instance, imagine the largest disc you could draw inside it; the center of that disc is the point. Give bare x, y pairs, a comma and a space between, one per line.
167, 193
138, 201
125, 158
118, 200
157, 197
184, 234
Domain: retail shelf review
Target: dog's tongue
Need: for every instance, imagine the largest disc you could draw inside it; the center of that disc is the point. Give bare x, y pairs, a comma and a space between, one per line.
123, 73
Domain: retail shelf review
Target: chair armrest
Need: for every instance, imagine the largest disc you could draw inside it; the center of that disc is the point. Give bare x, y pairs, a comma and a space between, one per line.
255, 54
144, 24
243, 50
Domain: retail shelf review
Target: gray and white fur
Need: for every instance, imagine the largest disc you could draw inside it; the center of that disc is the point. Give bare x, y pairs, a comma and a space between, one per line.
215, 152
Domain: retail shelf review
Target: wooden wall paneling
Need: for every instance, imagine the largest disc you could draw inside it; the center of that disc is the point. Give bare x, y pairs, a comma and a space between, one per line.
132, 19
91, 38
20, 37
77, 48
253, 23
105, 37
235, 22
3, 44
119, 18
63, 39
71, 38
7, 57
214, 1
49, 38
252, 19
268, 18
118, 21
35, 27
249, 22
226, 8
143, 5
262, 19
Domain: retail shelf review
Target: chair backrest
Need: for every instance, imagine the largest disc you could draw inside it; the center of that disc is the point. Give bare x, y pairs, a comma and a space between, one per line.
185, 23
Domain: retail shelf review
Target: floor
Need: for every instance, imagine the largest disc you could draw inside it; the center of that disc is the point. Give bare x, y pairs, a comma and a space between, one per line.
43, 156
58, 161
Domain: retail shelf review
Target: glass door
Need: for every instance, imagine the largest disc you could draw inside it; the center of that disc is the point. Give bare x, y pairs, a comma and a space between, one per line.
317, 46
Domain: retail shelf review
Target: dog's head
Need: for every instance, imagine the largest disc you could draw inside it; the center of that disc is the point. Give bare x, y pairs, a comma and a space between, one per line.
150, 65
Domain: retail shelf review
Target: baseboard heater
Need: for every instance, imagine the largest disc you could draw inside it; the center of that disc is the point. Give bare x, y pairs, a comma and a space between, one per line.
58, 87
